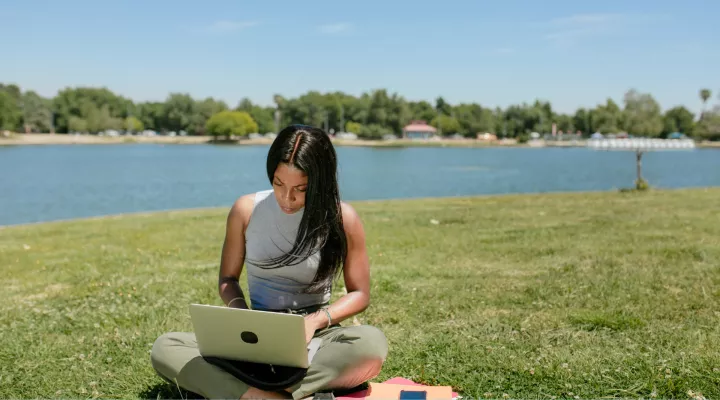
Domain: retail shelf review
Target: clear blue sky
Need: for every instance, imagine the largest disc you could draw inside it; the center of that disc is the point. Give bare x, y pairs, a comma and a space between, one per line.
572, 53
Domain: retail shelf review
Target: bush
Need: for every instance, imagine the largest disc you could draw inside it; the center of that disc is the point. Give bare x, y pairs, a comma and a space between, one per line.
354, 127
231, 123
373, 131
641, 185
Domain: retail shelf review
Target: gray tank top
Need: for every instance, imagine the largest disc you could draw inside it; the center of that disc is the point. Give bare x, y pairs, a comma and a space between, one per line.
269, 234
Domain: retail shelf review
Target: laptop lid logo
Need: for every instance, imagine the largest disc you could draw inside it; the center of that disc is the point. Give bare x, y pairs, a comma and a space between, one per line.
249, 337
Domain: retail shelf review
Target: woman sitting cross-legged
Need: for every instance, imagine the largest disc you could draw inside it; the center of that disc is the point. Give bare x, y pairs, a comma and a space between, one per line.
294, 240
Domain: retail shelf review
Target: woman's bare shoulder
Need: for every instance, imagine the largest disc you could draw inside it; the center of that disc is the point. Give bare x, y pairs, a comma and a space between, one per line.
242, 208
351, 219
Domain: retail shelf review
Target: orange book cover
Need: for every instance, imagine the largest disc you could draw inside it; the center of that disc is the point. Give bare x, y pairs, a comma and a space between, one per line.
392, 391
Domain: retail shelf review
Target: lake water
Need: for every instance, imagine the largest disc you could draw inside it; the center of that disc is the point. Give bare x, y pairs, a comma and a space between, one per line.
45, 183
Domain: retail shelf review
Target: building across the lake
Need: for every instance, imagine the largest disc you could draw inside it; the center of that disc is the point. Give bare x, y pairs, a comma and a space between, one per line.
419, 130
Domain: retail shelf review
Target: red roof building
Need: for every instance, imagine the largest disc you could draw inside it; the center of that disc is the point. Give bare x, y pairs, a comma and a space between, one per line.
419, 130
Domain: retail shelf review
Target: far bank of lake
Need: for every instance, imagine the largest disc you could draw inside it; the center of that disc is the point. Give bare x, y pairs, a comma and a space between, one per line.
58, 139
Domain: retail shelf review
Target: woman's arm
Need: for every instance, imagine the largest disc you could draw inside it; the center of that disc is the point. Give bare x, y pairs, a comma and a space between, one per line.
233, 253
356, 270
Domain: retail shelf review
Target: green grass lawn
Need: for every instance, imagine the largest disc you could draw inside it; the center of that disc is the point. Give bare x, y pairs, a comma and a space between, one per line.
591, 295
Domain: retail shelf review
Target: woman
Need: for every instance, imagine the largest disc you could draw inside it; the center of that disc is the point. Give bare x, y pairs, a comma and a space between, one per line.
294, 240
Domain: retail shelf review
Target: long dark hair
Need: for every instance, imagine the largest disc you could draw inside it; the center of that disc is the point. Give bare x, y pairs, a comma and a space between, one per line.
321, 229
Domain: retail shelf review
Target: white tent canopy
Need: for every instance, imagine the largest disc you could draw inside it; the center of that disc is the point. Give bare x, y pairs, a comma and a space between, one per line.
641, 144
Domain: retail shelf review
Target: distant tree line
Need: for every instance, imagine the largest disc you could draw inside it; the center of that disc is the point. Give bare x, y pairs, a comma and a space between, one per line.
371, 115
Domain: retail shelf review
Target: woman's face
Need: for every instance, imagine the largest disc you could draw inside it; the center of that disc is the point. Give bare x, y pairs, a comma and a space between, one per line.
289, 186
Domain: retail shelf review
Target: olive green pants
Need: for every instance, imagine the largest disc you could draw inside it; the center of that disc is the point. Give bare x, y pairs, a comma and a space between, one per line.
347, 357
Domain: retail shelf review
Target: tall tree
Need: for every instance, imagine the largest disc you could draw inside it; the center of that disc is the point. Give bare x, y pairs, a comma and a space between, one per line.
77, 124
704, 96
379, 108
203, 111
101, 119
81, 101
442, 106
179, 111
642, 114
607, 118
469, 117
541, 117
37, 113
581, 120
446, 124
152, 115
565, 123
422, 111
709, 127
399, 114
263, 116
10, 113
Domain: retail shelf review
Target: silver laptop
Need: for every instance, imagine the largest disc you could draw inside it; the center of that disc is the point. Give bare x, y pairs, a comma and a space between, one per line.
252, 335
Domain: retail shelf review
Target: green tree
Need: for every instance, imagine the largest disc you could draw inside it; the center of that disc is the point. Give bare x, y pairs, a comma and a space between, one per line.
77, 124
486, 123
231, 123
399, 114
10, 114
203, 110
442, 106
379, 108
100, 119
36, 112
179, 113
264, 116
642, 114
13, 90
517, 120
152, 115
581, 121
678, 119
538, 118
373, 131
473, 119
446, 124
82, 101
133, 124
565, 123
709, 127
422, 111
607, 118
311, 108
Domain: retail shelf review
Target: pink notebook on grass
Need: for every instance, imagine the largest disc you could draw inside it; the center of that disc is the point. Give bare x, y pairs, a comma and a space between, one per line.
394, 381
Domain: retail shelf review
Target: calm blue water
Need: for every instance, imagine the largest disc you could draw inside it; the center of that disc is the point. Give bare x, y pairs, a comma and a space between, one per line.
44, 183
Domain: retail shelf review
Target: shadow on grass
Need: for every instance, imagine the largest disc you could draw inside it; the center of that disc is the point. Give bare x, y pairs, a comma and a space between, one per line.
170, 391
167, 391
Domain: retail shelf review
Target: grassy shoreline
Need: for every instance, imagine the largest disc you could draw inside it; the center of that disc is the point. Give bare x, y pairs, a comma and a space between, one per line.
600, 294
48, 139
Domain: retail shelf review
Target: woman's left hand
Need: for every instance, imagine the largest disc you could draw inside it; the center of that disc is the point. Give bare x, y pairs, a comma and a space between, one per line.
311, 326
